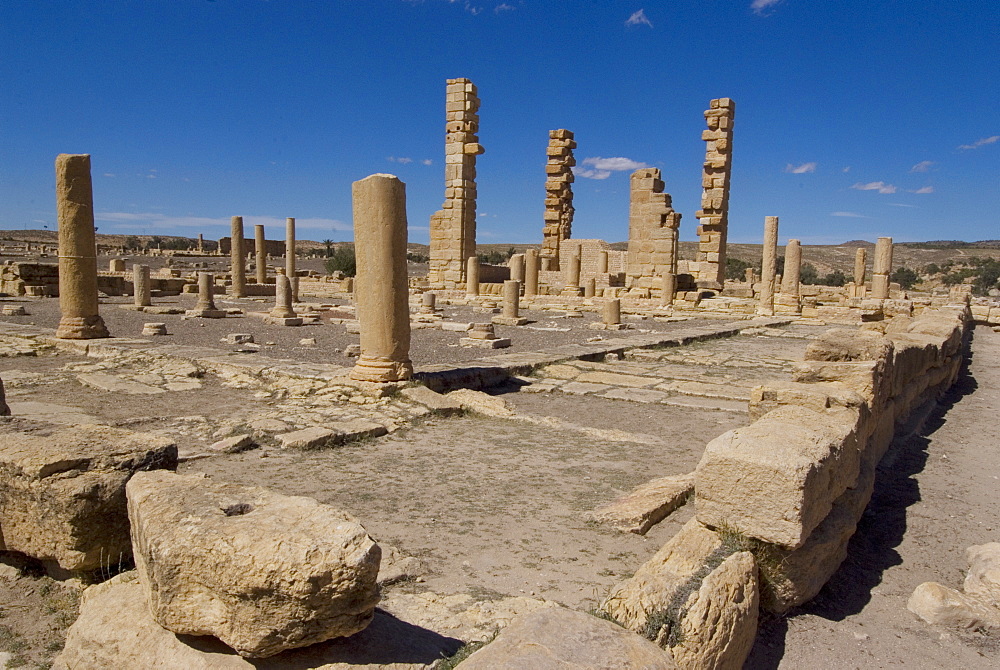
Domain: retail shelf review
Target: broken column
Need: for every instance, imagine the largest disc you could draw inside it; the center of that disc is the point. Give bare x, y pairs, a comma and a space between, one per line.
260, 255
237, 256
290, 258
453, 228
558, 196
573, 276
282, 299
668, 288
652, 235
768, 266
860, 258
80, 319
602, 262
205, 307
611, 312
788, 300
381, 293
881, 267
713, 217
201, 243
472, 277
511, 315
516, 265
531, 273
140, 286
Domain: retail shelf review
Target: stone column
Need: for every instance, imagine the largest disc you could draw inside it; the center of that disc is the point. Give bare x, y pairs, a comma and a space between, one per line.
201, 243
573, 271
748, 275
589, 287
77, 250
428, 302
768, 266
472, 276
713, 217
611, 312
141, 288
290, 254
511, 299
668, 288
602, 262
516, 265
652, 230
860, 258
559, 209
793, 266
381, 294
881, 268
531, 273
116, 265
260, 256
205, 307
282, 298
238, 259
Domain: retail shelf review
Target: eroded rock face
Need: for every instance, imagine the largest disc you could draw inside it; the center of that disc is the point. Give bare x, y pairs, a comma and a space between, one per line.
4, 409
261, 571
62, 496
556, 639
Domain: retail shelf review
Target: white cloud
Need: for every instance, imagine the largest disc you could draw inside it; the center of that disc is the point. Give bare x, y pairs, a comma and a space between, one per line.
801, 169
981, 142
852, 215
922, 166
879, 186
135, 219
899, 204
109, 174
639, 18
846, 169
427, 161
402, 159
759, 6
925, 189
504, 7
601, 168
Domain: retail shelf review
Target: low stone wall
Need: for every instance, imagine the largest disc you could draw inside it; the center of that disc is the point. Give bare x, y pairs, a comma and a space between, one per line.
791, 487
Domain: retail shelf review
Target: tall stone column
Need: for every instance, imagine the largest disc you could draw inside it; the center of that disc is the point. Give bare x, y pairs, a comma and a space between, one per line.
516, 265
140, 286
381, 293
713, 216
472, 276
793, 268
511, 299
77, 250
238, 259
531, 273
573, 271
290, 255
768, 266
260, 254
881, 268
602, 262
558, 196
201, 243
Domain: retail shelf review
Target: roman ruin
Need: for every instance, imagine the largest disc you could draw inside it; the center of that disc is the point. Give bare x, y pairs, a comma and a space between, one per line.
882, 268
290, 270
765, 304
652, 231
141, 290
559, 210
713, 217
260, 254
238, 259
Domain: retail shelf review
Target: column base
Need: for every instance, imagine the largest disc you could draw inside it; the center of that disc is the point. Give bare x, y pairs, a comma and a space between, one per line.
82, 328
379, 369
282, 313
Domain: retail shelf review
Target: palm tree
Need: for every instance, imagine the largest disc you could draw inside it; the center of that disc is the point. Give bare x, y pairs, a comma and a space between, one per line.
329, 247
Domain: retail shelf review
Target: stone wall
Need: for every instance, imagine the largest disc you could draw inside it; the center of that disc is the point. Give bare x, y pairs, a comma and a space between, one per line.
652, 231
558, 196
713, 217
453, 227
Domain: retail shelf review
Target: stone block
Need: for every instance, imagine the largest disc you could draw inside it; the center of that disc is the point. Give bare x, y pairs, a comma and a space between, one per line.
777, 478
846, 345
260, 571
646, 506
434, 401
939, 605
498, 343
62, 496
307, 438
817, 397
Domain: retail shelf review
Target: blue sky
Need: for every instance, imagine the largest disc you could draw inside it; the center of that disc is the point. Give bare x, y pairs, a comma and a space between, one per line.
853, 119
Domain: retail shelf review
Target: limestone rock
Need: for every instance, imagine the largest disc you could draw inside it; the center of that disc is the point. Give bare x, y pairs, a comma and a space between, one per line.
648, 505
844, 345
261, 571
434, 401
719, 624
307, 438
481, 403
937, 604
234, 444
561, 639
116, 630
984, 572
62, 496
4, 409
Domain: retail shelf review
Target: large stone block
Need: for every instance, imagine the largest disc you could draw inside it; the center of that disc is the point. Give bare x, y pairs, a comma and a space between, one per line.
62, 496
555, 638
843, 345
817, 397
261, 571
777, 478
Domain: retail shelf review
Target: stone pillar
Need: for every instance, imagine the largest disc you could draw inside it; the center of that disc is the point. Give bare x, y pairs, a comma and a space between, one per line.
713, 216
793, 267
453, 228
428, 302
531, 273
882, 268
201, 243
381, 294
511, 299
116, 265
4, 408
573, 271
668, 288
748, 275
238, 259
768, 266
260, 256
290, 254
558, 196
205, 307
282, 298
652, 230
472, 276
589, 287
611, 312
602, 262
516, 265
77, 250
860, 258
140, 286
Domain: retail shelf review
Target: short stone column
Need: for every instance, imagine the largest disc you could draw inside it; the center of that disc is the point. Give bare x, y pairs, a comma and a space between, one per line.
205, 307
768, 266
116, 265
237, 261
428, 302
140, 286
260, 254
589, 287
511, 315
516, 265
80, 319
881, 268
602, 262
531, 273
748, 275
611, 312
668, 288
787, 302
472, 276
860, 259
573, 271
381, 294
282, 298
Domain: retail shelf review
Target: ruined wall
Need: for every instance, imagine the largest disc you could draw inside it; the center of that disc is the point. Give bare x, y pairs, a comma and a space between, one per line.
558, 196
453, 228
652, 231
713, 217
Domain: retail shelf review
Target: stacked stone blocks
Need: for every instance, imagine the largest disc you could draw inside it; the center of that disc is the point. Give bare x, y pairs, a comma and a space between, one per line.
558, 196
653, 226
713, 216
